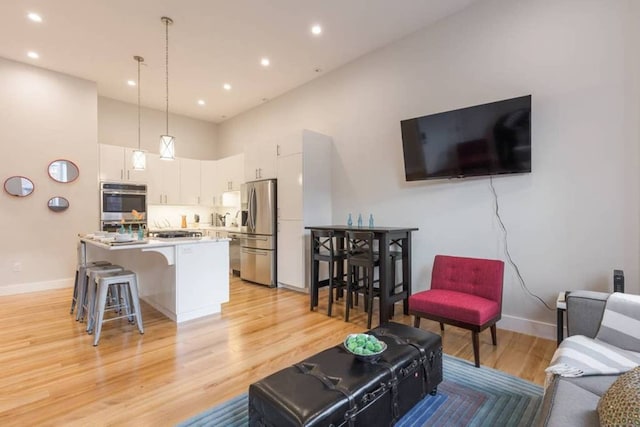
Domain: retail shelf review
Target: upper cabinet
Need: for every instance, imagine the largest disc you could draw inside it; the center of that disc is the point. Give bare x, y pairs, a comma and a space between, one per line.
304, 177
163, 180
231, 173
209, 183
189, 181
116, 164
260, 161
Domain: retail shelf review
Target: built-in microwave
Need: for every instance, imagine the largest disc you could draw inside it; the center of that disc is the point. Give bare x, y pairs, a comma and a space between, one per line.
119, 201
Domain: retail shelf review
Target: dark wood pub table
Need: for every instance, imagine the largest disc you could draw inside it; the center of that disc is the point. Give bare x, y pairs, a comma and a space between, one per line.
386, 236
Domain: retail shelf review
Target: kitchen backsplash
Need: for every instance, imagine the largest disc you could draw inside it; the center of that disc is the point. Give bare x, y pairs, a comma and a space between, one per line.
170, 216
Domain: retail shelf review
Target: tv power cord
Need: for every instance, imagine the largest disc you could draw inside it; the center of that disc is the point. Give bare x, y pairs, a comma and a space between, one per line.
506, 247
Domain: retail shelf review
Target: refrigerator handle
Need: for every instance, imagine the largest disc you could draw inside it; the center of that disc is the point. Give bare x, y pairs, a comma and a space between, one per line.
253, 208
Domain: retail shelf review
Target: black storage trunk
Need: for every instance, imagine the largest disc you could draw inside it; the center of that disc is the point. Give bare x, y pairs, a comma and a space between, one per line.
333, 388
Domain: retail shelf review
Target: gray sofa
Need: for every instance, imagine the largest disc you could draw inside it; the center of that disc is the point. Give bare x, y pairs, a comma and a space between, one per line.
573, 401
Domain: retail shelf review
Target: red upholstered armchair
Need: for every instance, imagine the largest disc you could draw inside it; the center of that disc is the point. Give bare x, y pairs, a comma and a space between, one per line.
465, 292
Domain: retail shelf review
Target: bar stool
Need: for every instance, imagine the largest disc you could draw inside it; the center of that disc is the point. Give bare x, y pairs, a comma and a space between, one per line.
325, 251
87, 291
360, 255
81, 272
127, 282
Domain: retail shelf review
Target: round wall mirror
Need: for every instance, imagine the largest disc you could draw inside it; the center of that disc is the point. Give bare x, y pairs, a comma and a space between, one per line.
18, 186
63, 170
58, 204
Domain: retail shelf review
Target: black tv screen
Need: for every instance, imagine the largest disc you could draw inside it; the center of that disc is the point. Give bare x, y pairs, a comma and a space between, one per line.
487, 139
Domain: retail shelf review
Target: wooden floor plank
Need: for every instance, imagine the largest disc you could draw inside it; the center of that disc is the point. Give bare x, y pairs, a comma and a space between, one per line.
52, 374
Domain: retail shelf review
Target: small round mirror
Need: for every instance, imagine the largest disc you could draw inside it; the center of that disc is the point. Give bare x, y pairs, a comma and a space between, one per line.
63, 170
58, 204
18, 186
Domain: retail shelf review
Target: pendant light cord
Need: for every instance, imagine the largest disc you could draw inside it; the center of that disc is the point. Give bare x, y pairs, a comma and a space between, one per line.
166, 56
139, 61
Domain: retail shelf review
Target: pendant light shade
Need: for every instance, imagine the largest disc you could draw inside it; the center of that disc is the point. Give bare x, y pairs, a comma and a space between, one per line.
138, 158
167, 147
167, 142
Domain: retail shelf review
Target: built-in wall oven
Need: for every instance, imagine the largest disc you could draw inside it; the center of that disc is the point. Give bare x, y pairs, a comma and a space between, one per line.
118, 202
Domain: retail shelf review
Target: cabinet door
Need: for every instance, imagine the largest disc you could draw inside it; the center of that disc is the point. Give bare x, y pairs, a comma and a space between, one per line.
290, 186
290, 144
171, 181
130, 173
260, 161
163, 180
155, 194
209, 185
236, 171
189, 181
291, 254
111, 163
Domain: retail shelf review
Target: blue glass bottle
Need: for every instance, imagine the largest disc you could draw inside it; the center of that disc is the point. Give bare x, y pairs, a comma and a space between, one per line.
370, 220
349, 221
359, 220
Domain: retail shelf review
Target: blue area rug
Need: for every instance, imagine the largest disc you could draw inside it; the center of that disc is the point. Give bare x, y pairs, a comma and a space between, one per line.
467, 396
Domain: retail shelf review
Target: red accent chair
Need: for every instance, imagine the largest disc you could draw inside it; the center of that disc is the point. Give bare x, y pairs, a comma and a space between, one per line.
465, 292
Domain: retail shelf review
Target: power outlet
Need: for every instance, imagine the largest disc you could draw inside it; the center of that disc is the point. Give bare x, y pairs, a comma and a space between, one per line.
17, 266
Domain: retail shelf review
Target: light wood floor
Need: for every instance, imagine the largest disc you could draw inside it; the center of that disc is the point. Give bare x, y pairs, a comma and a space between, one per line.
52, 375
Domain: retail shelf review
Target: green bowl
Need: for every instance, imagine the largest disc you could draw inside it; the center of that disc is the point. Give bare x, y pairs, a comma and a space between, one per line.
365, 357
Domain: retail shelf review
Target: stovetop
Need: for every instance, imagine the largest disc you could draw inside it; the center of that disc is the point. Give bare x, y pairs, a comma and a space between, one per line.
175, 234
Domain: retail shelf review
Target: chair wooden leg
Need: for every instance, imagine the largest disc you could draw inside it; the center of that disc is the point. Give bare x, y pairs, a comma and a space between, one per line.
416, 322
493, 334
442, 326
349, 301
476, 347
330, 288
369, 289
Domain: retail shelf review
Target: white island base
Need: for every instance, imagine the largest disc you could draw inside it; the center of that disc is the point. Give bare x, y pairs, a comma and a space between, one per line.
184, 279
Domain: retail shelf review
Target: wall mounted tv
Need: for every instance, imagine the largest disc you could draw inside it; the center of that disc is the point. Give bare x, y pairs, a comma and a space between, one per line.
487, 139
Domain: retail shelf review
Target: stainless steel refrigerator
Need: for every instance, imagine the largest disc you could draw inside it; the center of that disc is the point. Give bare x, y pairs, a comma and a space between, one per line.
258, 246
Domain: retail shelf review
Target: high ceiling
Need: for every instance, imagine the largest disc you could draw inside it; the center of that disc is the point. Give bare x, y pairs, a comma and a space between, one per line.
211, 42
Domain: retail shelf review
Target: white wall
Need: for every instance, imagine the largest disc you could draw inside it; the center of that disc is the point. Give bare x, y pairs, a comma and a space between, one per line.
45, 116
571, 221
118, 125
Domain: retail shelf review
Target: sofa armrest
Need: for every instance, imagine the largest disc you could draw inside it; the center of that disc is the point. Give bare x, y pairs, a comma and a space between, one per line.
584, 312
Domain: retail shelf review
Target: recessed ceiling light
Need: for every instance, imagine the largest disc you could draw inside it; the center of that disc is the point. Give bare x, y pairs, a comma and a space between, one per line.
226, 86
33, 55
265, 62
316, 29
131, 82
34, 17
201, 102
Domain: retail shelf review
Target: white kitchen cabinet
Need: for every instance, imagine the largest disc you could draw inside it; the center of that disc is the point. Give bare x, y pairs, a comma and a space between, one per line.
260, 161
231, 173
291, 254
290, 187
163, 183
209, 186
304, 199
189, 181
116, 165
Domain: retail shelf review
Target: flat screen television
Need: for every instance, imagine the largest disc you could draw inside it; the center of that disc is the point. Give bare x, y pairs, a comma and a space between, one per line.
487, 139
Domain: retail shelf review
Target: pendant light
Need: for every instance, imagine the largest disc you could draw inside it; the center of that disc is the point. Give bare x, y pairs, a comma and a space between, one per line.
138, 158
167, 142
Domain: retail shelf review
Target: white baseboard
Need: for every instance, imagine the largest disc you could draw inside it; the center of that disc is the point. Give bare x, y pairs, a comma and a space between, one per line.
528, 327
23, 288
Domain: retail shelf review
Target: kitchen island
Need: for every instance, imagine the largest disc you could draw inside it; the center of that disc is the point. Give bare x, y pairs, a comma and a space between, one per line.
182, 278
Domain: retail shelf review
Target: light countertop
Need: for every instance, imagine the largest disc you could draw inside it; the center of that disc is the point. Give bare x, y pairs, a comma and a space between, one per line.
149, 242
